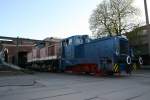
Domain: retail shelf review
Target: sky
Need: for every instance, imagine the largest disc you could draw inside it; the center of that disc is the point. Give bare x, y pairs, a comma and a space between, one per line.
38, 19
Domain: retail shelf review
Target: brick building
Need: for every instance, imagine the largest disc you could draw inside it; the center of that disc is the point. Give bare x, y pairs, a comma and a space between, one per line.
17, 49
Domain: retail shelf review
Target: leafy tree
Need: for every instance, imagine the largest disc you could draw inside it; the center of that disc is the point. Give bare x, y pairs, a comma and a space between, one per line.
113, 17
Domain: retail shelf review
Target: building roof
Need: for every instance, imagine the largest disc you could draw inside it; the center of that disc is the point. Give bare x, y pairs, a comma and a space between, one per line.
52, 39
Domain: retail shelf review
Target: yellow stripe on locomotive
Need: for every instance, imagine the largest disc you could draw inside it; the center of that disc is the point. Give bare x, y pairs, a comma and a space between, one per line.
116, 68
135, 66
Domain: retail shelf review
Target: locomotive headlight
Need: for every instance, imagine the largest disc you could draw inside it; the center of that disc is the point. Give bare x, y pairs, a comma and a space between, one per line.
128, 60
140, 60
117, 52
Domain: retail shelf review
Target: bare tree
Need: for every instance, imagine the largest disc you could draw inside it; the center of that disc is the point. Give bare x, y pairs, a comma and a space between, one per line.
113, 17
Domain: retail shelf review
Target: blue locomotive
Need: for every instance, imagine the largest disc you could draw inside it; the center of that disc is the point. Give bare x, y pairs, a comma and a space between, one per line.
80, 54
105, 55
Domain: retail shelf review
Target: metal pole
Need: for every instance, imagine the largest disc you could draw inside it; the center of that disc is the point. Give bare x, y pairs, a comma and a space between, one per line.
147, 23
146, 12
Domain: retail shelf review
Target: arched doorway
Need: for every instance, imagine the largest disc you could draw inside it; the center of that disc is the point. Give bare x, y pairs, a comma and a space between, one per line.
6, 55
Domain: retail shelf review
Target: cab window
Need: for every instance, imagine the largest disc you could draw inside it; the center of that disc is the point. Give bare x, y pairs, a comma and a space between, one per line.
78, 41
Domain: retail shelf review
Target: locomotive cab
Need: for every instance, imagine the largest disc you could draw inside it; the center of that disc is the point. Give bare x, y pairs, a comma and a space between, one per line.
69, 44
69, 49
